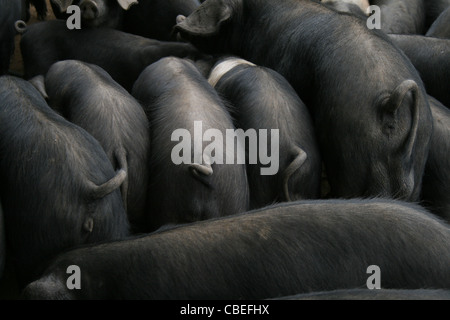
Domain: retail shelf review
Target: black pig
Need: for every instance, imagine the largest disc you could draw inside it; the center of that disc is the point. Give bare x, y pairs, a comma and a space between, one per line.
381, 294
356, 7
261, 98
436, 180
374, 142
402, 16
282, 250
87, 96
434, 9
121, 54
441, 27
431, 58
153, 19
175, 96
58, 187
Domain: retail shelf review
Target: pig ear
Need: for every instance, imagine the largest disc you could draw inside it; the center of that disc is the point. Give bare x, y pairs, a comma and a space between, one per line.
126, 4
206, 19
406, 95
62, 4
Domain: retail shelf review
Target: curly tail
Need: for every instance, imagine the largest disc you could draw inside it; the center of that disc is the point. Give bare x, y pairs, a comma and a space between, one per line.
201, 171
100, 191
300, 158
121, 158
20, 26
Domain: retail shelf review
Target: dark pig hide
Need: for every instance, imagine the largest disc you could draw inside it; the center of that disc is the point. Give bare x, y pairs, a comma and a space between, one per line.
375, 141
59, 189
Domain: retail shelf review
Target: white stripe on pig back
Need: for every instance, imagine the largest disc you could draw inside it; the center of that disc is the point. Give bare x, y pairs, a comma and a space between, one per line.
363, 4
223, 67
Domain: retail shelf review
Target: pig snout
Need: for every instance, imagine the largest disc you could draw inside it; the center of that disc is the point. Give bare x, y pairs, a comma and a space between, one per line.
89, 10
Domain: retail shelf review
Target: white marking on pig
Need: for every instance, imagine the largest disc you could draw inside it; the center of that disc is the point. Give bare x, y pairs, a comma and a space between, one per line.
126, 4
363, 4
180, 18
225, 66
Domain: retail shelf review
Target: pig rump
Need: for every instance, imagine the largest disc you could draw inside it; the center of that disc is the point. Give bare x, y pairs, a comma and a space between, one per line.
58, 188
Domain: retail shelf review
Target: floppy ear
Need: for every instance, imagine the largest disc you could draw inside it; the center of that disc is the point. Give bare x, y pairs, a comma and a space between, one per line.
406, 95
206, 19
62, 4
126, 4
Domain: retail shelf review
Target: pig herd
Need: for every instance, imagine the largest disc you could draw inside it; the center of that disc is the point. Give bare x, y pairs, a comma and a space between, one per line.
344, 131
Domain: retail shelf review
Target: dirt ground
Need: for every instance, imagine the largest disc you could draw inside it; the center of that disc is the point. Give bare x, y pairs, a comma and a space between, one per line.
16, 65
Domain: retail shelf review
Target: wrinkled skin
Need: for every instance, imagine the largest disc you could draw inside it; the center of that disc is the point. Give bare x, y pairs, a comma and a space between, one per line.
374, 141
292, 246
58, 188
